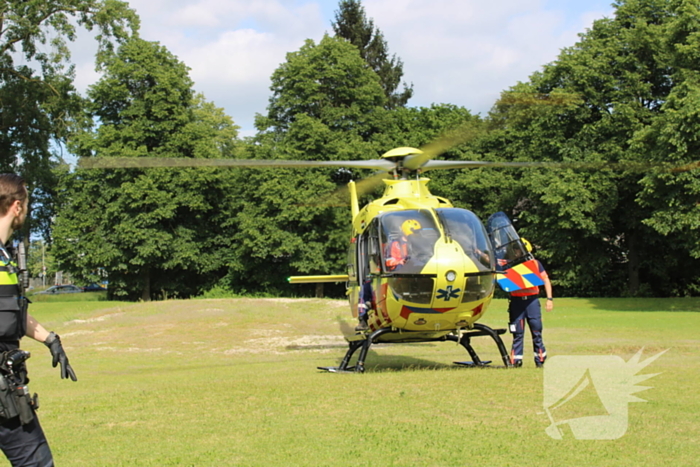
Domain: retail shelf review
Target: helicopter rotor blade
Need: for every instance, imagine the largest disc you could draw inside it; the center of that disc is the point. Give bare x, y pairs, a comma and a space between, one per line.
369, 184
341, 196
687, 167
447, 141
149, 162
619, 166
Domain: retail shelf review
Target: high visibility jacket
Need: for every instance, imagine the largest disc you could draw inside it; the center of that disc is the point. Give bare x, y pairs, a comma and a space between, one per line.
531, 290
398, 252
13, 313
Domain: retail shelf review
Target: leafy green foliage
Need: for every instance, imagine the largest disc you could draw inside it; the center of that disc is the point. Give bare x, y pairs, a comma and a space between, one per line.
155, 231
328, 82
326, 105
39, 256
627, 91
614, 96
40, 105
352, 24
672, 138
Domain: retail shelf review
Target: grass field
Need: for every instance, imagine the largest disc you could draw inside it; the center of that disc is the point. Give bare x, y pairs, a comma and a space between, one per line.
234, 382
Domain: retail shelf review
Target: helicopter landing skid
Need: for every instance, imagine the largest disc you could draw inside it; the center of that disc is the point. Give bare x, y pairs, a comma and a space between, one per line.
471, 364
335, 369
481, 330
464, 340
354, 346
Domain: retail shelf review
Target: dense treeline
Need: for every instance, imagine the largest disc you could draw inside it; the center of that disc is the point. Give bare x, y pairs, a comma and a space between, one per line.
39, 105
627, 92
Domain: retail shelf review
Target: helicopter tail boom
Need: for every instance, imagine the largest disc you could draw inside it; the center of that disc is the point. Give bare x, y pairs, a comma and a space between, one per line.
317, 279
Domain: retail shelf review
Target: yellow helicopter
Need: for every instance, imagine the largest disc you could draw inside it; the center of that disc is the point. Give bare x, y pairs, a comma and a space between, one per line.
420, 268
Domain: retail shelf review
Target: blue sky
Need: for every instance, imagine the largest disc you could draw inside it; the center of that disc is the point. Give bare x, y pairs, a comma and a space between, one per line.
462, 52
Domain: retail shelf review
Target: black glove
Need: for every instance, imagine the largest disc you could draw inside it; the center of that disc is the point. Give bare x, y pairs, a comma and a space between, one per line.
53, 342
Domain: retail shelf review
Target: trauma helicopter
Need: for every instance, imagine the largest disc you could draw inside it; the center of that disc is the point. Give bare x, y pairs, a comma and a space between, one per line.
419, 269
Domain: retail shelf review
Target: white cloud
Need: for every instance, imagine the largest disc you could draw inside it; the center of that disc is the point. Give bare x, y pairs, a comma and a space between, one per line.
194, 16
238, 57
235, 71
466, 52
85, 75
232, 46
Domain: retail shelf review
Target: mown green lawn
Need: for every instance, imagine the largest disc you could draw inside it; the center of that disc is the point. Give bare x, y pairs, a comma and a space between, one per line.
234, 382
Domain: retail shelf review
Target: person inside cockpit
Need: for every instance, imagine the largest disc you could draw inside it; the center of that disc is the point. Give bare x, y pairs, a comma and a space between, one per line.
397, 250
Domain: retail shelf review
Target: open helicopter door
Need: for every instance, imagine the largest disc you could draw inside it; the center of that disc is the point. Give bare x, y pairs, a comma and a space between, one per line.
363, 267
516, 267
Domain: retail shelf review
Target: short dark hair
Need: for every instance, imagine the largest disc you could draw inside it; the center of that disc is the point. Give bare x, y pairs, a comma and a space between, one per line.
12, 188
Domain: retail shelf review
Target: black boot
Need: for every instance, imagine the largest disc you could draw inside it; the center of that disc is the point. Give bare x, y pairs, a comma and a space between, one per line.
362, 326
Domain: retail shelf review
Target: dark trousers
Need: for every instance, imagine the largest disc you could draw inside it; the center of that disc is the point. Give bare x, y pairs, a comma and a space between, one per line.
25, 445
519, 310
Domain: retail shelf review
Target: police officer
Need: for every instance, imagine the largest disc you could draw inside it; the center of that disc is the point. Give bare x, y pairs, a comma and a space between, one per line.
525, 305
21, 438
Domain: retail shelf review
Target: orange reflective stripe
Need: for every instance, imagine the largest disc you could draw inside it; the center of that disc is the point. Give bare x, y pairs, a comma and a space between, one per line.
526, 292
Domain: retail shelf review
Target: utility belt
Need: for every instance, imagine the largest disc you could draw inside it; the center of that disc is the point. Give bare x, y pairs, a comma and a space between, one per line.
15, 399
523, 297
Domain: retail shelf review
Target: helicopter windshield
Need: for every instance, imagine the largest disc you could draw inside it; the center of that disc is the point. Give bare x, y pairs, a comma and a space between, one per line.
466, 229
508, 248
408, 240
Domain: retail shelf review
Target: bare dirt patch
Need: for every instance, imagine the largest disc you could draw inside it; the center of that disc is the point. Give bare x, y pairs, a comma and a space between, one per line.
217, 326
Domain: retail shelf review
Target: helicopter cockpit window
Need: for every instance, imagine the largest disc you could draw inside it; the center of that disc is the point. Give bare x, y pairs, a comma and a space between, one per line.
408, 240
508, 248
373, 248
511, 254
466, 229
370, 251
478, 287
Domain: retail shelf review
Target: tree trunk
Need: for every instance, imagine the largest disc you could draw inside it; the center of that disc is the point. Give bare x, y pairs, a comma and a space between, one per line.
319, 290
146, 291
633, 266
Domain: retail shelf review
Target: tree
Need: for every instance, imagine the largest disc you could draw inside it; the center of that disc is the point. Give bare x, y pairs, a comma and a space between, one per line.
155, 231
604, 99
326, 104
40, 261
40, 105
328, 82
352, 24
672, 138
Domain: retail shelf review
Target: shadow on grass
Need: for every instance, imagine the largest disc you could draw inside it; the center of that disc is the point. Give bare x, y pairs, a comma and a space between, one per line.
375, 363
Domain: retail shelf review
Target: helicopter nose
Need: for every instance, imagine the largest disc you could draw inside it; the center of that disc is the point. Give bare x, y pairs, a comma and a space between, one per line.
449, 276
